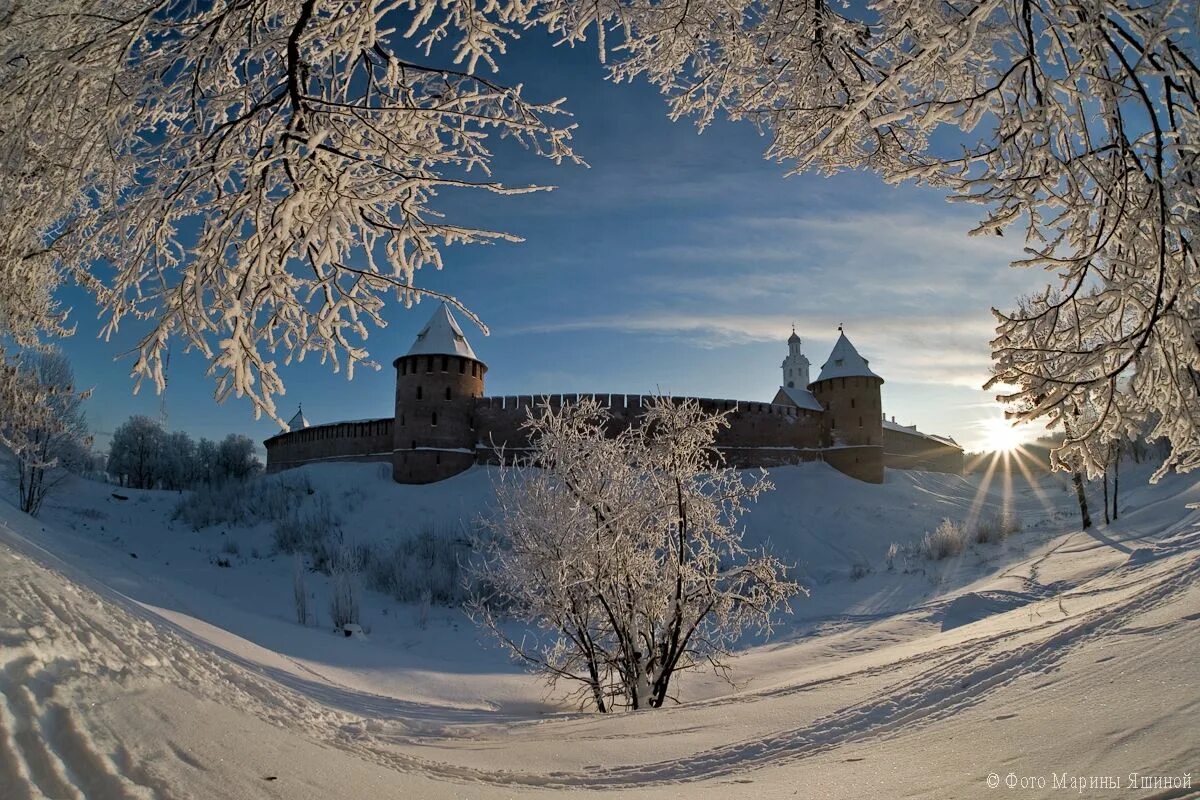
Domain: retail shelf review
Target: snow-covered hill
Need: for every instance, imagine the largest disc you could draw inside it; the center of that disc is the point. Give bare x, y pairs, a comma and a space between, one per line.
133, 665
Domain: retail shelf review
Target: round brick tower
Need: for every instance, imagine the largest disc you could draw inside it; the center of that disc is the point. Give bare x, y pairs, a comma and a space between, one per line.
437, 383
853, 425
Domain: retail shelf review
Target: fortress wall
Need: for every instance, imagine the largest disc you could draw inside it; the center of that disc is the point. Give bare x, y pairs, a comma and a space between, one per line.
908, 451
365, 440
759, 434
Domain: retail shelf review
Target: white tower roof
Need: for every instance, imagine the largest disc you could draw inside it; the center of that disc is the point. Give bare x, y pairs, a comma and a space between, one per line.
299, 422
441, 336
845, 362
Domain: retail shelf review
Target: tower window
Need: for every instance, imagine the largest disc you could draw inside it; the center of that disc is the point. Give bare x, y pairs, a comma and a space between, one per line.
403, 366
401, 420
445, 364
462, 366
433, 420
860, 422
852, 402
429, 363
791, 384
447, 392
419, 392
414, 444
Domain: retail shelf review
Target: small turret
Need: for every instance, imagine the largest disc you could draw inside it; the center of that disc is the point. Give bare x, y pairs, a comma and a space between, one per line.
437, 383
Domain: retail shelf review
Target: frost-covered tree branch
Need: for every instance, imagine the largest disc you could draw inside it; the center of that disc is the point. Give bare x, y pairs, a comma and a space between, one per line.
626, 552
254, 176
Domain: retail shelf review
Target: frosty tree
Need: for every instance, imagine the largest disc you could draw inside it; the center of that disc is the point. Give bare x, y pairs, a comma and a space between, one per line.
256, 175
625, 552
42, 424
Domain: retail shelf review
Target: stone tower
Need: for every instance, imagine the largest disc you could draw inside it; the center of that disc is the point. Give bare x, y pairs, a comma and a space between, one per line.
849, 392
795, 366
437, 383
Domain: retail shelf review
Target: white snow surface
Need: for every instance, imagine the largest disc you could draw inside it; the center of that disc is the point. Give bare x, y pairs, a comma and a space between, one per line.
803, 398
441, 336
132, 666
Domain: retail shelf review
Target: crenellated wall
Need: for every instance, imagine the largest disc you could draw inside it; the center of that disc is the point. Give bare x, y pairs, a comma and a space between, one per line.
364, 440
759, 434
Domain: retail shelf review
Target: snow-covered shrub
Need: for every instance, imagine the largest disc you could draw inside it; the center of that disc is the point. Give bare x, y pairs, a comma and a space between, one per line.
231, 547
430, 562
244, 502
949, 539
344, 587
308, 528
892, 552
423, 607
997, 527
299, 590
859, 570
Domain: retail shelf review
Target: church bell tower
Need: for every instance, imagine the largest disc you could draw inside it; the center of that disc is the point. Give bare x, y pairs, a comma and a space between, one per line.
795, 366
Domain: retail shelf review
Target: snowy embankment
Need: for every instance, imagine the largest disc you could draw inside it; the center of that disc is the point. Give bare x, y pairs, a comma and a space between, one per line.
133, 665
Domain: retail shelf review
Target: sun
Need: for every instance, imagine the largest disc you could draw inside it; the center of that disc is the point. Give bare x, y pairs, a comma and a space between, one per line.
1000, 436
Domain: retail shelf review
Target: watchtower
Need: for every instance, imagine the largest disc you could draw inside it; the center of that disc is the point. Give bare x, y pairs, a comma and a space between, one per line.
849, 392
437, 383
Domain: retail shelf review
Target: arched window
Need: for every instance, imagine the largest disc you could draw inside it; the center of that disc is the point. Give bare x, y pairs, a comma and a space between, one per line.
462, 366
419, 393
445, 363
429, 363
433, 420
852, 402
447, 392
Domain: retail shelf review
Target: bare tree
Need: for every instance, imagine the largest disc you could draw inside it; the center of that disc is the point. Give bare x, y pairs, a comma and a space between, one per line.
43, 424
625, 551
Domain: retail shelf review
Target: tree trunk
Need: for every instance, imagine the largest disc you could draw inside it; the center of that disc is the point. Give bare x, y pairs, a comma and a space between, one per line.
1116, 481
1106, 519
1082, 497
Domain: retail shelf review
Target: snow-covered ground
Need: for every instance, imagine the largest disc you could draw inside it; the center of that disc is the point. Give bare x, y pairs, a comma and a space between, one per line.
133, 665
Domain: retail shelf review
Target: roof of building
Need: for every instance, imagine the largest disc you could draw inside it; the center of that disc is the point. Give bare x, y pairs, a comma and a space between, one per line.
299, 421
441, 336
803, 398
845, 362
794, 337
892, 425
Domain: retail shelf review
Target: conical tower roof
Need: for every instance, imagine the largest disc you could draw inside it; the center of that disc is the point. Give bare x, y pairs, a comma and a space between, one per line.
298, 422
845, 362
441, 336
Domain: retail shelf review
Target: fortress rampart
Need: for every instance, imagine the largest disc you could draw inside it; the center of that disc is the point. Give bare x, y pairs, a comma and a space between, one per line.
759, 434
443, 423
366, 440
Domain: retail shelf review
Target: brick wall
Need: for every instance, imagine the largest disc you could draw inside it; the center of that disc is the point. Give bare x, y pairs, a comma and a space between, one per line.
366, 440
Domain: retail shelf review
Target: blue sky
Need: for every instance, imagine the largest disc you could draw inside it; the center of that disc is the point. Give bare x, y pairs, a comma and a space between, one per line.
677, 262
